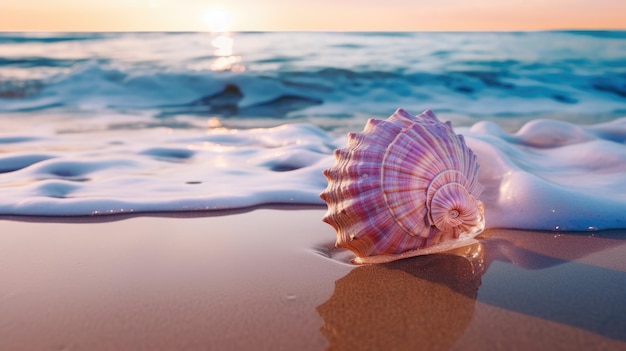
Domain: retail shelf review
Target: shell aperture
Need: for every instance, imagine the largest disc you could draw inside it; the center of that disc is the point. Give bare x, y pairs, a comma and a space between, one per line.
403, 187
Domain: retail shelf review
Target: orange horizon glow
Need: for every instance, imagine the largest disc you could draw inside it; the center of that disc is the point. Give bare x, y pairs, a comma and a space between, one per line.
309, 15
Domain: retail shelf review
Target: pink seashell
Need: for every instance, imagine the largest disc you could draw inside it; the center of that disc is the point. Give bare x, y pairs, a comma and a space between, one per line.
403, 187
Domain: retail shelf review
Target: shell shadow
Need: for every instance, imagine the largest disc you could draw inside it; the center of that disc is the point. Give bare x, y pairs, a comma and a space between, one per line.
421, 303
550, 276
427, 302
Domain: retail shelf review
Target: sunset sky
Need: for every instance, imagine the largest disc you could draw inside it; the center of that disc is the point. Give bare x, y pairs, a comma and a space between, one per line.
268, 15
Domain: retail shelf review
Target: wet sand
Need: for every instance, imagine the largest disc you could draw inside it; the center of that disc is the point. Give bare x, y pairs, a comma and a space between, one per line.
269, 279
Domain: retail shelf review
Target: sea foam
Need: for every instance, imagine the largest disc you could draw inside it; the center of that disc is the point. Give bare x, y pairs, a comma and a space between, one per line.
550, 175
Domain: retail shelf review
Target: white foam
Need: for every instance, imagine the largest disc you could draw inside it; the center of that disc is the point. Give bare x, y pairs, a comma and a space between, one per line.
549, 175
109, 172
553, 175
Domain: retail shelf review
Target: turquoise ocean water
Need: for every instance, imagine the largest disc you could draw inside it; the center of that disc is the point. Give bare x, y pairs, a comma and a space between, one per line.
100, 123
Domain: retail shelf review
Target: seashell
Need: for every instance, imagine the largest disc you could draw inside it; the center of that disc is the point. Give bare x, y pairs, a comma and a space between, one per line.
405, 186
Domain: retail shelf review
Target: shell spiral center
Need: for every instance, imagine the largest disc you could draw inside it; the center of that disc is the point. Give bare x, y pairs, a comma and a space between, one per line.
453, 209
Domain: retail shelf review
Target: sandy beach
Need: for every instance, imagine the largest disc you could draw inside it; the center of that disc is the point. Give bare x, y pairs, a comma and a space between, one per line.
270, 279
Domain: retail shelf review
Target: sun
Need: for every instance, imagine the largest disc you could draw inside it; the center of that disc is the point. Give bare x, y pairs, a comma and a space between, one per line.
217, 19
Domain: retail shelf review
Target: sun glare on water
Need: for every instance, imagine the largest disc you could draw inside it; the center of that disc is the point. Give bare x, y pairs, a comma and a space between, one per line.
218, 20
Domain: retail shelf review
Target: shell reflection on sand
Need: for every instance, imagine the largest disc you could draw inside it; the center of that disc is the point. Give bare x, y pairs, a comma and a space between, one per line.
382, 307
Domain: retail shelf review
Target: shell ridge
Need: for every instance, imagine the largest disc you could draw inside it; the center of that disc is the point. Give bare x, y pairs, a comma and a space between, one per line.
429, 145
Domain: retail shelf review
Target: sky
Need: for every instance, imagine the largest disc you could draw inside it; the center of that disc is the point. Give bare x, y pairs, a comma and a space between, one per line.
320, 15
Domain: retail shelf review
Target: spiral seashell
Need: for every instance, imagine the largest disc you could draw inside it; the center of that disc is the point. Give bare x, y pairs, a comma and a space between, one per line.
405, 186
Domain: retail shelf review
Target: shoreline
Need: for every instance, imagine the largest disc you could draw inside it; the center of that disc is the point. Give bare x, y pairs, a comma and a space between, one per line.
270, 278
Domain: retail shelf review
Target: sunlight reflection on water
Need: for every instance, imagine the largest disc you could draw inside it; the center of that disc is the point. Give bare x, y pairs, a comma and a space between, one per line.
223, 45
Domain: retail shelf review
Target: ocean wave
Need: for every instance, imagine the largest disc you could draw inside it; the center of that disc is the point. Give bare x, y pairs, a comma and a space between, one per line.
44, 37
605, 34
335, 74
475, 93
29, 62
